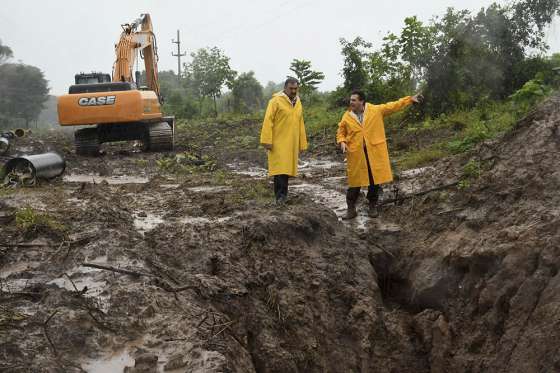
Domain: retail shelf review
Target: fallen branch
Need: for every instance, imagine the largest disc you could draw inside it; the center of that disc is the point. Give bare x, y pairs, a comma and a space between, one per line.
163, 271
117, 270
24, 244
417, 194
45, 324
89, 309
21, 294
167, 286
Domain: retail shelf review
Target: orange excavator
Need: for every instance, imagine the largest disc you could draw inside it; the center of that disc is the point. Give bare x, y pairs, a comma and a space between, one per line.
118, 108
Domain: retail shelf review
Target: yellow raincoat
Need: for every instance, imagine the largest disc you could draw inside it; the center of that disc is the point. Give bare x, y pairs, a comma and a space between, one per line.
283, 127
372, 131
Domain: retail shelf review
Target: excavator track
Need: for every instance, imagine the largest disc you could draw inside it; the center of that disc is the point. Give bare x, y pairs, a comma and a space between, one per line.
87, 142
160, 136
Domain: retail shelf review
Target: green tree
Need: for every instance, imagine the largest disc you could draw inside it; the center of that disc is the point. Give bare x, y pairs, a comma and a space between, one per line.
209, 71
5, 53
23, 91
354, 70
308, 79
247, 93
485, 56
416, 47
271, 88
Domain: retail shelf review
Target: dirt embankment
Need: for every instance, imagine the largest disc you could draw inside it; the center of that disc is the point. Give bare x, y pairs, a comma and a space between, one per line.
219, 279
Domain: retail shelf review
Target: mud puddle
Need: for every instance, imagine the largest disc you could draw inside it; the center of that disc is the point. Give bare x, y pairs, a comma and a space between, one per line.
210, 189
112, 180
243, 168
149, 221
111, 363
199, 220
321, 164
145, 222
335, 201
16, 268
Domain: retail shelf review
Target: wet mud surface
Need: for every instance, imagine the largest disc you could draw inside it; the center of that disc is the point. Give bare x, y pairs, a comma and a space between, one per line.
124, 266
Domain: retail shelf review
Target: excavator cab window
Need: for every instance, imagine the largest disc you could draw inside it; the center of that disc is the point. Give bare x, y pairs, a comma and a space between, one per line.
101, 87
92, 78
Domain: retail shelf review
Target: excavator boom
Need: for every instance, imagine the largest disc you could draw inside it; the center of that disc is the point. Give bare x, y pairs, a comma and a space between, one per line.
130, 43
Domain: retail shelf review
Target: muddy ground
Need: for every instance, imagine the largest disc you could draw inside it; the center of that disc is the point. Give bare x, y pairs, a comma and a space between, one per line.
181, 262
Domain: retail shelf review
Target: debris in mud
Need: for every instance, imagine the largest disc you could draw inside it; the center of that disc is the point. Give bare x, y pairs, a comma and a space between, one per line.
6, 137
186, 162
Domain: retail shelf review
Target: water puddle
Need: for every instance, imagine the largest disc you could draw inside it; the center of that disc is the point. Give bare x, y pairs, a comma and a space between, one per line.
25, 149
94, 287
169, 186
322, 164
89, 280
8, 270
415, 172
247, 170
147, 222
112, 180
113, 363
117, 361
77, 202
210, 189
336, 201
200, 220
20, 284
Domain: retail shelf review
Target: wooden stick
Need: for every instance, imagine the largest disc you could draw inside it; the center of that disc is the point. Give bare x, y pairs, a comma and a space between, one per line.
45, 324
23, 244
117, 270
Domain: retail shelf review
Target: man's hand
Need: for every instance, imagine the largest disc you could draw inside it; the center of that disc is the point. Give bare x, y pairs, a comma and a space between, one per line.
343, 147
418, 98
267, 146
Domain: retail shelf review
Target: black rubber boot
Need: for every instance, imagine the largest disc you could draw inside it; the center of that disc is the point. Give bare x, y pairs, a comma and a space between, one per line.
351, 212
373, 210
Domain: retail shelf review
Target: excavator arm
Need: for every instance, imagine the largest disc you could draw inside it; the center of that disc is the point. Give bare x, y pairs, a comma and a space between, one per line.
137, 36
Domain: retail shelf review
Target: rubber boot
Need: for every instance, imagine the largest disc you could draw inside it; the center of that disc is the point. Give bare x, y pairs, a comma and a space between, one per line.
351, 212
373, 209
281, 200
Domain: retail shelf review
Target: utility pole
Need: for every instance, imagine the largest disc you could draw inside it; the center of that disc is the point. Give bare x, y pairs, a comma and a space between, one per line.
178, 54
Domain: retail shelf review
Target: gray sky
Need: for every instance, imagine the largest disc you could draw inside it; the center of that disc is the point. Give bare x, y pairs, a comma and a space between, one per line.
64, 37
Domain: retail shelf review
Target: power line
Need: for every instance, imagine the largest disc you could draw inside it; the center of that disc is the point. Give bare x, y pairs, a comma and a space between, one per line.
178, 54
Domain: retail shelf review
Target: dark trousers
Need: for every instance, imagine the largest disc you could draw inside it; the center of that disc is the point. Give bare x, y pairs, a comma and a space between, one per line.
353, 193
280, 186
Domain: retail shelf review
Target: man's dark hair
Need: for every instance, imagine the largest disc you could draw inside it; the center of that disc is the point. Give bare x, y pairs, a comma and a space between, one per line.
290, 80
361, 95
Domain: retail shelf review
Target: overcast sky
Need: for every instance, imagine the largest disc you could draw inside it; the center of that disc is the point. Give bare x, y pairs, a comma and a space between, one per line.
64, 37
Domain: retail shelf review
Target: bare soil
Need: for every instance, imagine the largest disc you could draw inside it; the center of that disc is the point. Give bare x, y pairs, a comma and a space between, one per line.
199, 271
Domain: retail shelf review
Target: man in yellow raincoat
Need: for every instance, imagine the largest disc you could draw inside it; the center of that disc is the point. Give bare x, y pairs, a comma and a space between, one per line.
283, 135
361, 135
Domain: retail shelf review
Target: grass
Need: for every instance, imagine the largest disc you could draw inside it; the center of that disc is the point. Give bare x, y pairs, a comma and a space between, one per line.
455, 133
30, 221
186, 163
419, 158
258, 191
6, 191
